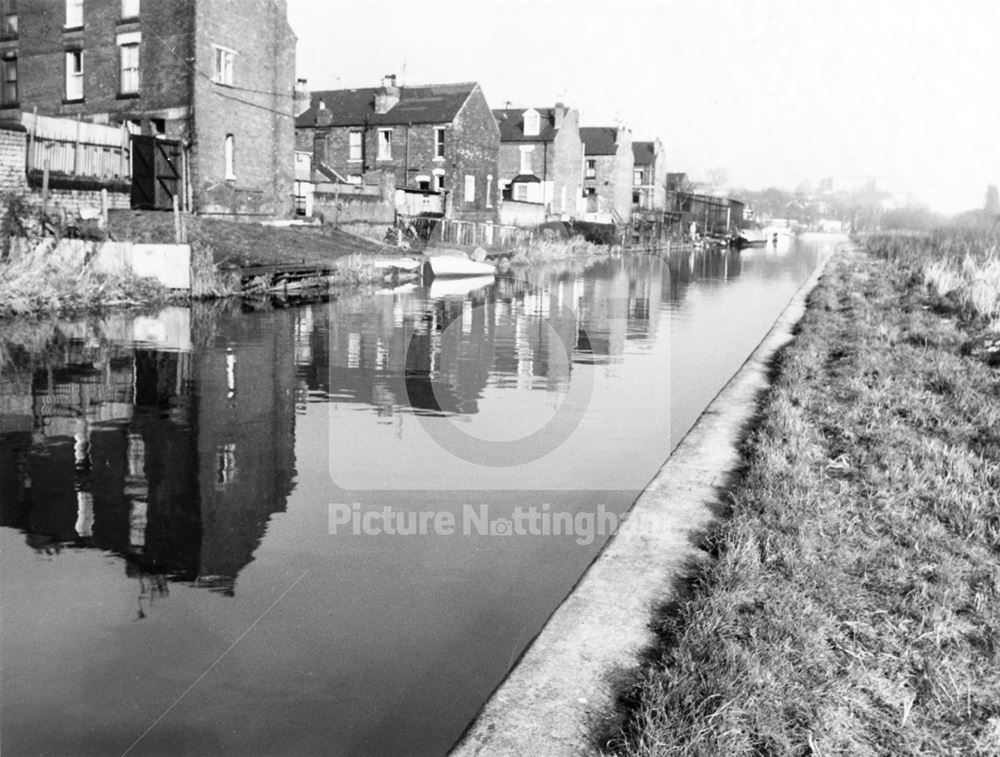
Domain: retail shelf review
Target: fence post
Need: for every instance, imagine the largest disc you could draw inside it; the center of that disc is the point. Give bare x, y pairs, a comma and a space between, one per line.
104, 208
45, 187
177, 221
76, 147
30, 159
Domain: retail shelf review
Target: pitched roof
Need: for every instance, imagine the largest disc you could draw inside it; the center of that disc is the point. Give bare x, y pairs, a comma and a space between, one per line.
644, 153
599, 140
511, 123
430, 104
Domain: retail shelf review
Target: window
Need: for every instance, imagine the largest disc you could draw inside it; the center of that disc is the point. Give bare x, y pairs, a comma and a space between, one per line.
225, 63
526, 159
128, 49
439, 142
470, 188
637, 177
130, 8
74, 74
8, 93
8, 10
74, 14
489, 191
521, 192
591, 168
439, 182
354, 145
385, 144
230, 157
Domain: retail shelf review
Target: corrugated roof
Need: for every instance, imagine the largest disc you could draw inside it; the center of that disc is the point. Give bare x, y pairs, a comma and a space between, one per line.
511, 123
644, 153
430, 104
599, 140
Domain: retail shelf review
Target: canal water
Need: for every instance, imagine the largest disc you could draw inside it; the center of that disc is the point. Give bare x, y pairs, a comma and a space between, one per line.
332, 528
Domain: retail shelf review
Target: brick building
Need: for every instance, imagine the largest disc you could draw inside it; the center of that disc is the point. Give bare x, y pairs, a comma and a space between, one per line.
215, 76
438, 138
607, 173
649, 177
541, 157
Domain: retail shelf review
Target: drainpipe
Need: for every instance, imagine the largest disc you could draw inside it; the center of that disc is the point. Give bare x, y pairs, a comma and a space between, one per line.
406, 158
545, 173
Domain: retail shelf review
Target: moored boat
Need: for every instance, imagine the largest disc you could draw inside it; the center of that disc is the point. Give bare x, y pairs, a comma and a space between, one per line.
437, 266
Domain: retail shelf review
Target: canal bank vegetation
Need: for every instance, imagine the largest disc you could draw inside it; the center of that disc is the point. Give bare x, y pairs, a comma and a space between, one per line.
849, 603
33, 280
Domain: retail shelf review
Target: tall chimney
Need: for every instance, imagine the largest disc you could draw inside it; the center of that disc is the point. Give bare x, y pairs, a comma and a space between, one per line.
387, 97
323, 116
559, 114
302, 96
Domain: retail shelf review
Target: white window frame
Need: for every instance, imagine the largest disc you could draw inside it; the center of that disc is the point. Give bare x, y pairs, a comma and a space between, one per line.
130, 8
229, 152
74, 75
489, 190
636, 177
355, 152
588, 172
521, 192
129, 77
526, 151
74, 14
439, 142
385, 144
223, 65
470, 188
438, 183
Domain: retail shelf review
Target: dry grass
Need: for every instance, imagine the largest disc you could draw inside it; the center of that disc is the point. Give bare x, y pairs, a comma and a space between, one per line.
549, 247
852, 602
35, 281
960, 266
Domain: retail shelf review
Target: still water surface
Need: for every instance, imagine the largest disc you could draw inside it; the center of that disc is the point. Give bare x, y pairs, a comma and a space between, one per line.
178, 496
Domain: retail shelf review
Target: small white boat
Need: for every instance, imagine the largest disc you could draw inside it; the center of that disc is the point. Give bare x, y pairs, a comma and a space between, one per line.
453, 265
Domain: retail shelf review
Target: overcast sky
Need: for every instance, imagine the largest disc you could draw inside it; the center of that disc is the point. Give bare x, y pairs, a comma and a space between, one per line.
775, 92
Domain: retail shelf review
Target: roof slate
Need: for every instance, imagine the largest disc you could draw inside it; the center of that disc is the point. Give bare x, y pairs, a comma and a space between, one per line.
511, 123
430, 104
644, 153
599, 140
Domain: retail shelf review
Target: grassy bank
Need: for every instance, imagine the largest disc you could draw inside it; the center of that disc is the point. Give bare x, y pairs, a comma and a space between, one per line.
850, 600
36, 281
242, 244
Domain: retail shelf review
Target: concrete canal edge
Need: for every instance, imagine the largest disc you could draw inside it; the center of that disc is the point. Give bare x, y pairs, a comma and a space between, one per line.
548, 704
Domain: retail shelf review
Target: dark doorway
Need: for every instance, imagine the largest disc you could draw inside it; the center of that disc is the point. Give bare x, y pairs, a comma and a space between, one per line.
156, 173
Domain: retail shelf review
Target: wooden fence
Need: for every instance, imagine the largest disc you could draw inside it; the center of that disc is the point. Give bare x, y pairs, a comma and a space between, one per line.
485, 234
77, 148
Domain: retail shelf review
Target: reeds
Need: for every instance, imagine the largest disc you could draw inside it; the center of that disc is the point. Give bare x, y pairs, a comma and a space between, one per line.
36, 281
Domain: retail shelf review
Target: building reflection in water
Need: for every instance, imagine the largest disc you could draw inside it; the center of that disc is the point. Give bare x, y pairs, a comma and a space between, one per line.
172, 458
170, 440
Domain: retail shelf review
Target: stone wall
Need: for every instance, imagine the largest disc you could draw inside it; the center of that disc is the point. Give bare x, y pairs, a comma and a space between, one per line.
13, 153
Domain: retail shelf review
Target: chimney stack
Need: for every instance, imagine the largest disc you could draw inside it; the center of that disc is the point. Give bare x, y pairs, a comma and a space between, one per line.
387, 97
559, 114
302, 97
324, 117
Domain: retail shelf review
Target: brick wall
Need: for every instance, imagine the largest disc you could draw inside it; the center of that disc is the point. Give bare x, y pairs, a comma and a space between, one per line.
473, 151
41, 48
257, 111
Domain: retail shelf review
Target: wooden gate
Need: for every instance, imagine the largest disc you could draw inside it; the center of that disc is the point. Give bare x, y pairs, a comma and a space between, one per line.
156, 173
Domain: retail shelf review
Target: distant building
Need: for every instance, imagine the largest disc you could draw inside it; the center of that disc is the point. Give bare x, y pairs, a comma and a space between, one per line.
214, 86
438, 138
541, 157
607, 173
649, 177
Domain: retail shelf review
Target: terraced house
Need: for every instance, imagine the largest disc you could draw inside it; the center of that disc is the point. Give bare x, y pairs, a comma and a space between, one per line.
438, 139
607, 173
541, 157
204, 88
